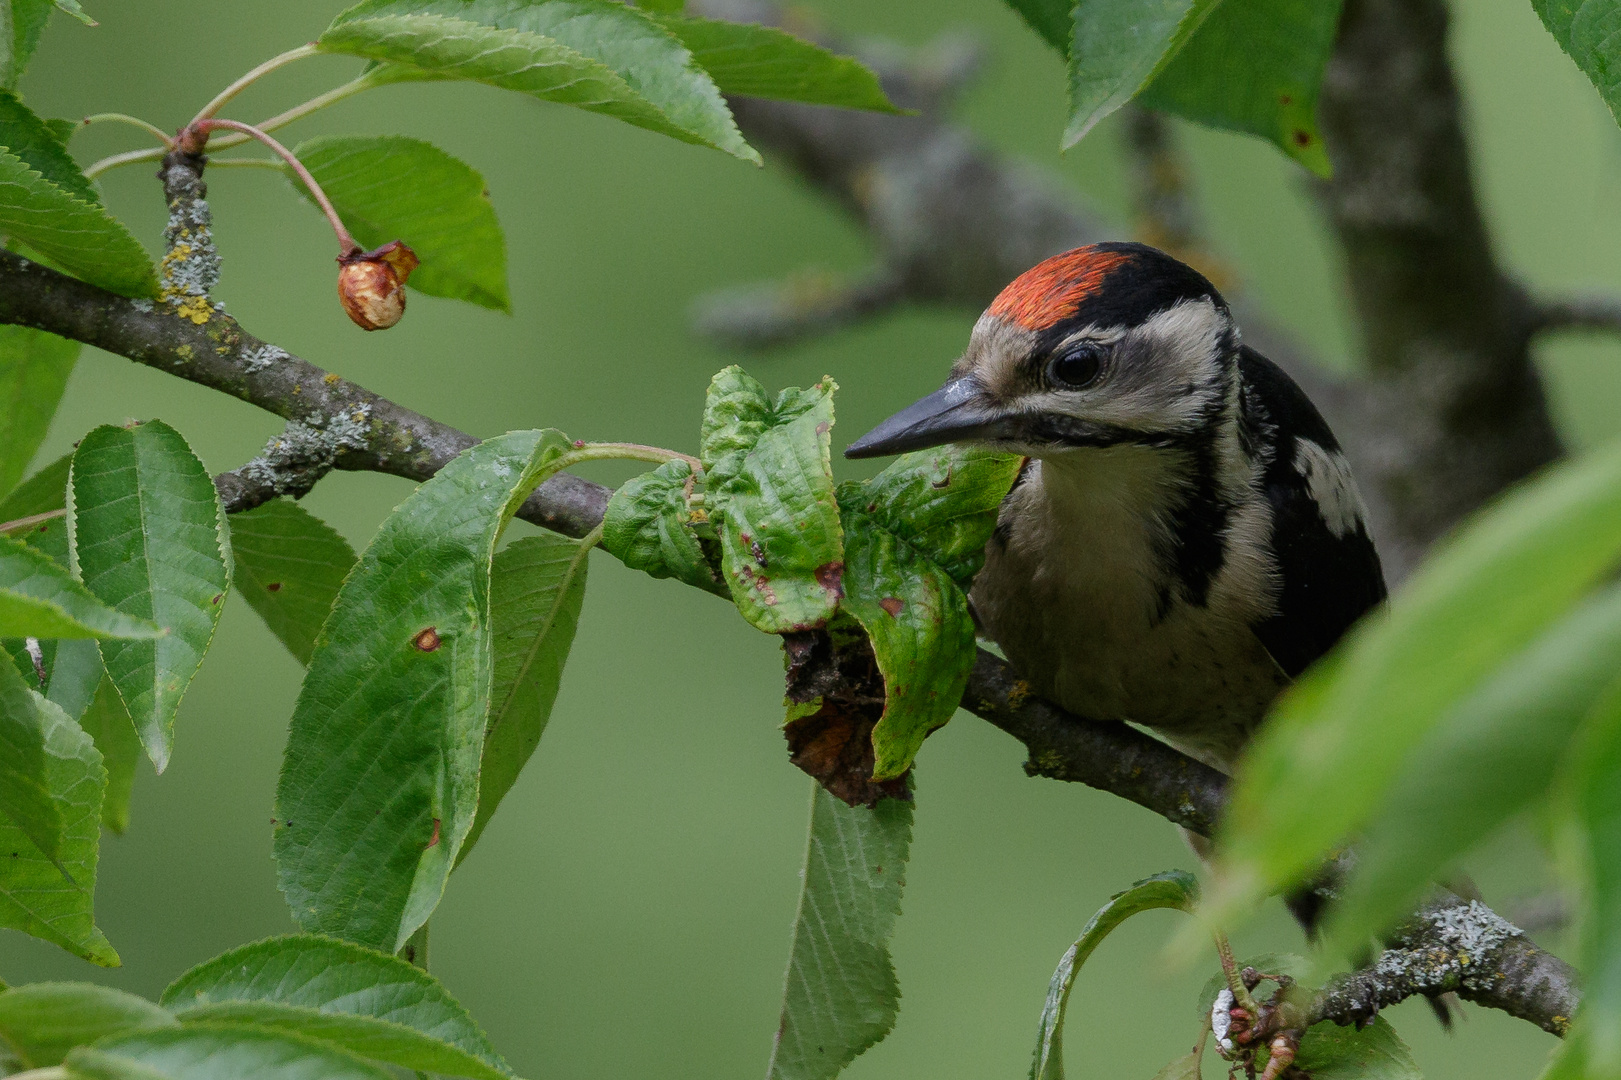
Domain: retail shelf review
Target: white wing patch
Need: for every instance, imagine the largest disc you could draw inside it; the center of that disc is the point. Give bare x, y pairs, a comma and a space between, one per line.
1328, 479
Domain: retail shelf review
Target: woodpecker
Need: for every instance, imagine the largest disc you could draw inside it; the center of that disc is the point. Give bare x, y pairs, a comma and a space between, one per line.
1185, 537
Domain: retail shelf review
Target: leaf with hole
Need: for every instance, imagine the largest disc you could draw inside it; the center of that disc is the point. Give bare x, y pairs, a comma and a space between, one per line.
216, 1052
1171, 889
769, 491
47, 891
841, 996
148, 537
1493, 754
537, 585
41, 1022
1338, 739
389, 187
763, 61
289, 567
379, 783
367, 1002
922, 634
593, 54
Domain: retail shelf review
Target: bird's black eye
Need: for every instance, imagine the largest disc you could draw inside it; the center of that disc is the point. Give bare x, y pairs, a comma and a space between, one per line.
1077, 367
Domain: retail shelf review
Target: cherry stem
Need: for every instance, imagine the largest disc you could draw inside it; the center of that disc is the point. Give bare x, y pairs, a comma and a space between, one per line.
134, 121
346, 243
220, 99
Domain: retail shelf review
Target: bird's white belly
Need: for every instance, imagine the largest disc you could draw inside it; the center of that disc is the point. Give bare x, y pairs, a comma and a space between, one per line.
1080, 609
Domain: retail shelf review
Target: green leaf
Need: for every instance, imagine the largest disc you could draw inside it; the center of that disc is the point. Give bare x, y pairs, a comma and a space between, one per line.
108, 723
1376, 1052
537, 585
1595, 770
148, 536
944, 503
922, 634
289, 567
71, 7
21, 23
1052, 20
379, 785
649, 527
1321, 765
1489, 757
763, 61
39, 598
1588, 31
50, 898
32, 140
389, 187
769, 484
41, 1022
34, 370
1185, 1067
370, 1003
41, 493
1171, 889
1255, 66
840, 996
217, 1052
76, 235
593, 54
28, 796
1118, 46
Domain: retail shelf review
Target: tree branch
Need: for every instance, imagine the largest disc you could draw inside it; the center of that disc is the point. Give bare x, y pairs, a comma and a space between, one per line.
1599, 313
333, 423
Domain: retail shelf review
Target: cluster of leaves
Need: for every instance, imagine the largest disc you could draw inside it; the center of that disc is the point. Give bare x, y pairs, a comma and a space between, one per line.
291, 1007
873, 570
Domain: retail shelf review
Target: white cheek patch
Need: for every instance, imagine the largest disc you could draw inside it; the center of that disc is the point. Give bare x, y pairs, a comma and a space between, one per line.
1328, 478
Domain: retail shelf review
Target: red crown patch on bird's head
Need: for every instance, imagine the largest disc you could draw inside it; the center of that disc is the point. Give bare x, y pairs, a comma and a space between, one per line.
1052, 290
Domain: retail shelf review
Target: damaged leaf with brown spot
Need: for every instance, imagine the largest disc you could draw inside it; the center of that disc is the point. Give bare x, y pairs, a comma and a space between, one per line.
769, 491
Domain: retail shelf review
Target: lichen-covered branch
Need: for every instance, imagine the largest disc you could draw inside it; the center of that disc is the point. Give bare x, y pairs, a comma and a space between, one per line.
1463, 947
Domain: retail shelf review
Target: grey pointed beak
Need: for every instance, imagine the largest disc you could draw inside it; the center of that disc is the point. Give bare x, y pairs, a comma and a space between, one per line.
953, 413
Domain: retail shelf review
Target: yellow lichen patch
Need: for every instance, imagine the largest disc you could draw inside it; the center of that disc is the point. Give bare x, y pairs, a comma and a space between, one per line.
196, 308
1018, 695
330, 379
184, 352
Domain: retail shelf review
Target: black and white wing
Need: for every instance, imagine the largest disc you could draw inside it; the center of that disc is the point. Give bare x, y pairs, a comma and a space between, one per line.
1329, 568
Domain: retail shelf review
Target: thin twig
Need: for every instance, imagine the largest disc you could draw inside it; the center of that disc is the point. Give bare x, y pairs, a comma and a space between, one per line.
1596, 313
273, 64
134, 121
346, 243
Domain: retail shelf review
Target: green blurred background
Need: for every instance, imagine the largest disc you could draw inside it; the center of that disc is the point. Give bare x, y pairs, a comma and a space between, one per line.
627, 913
